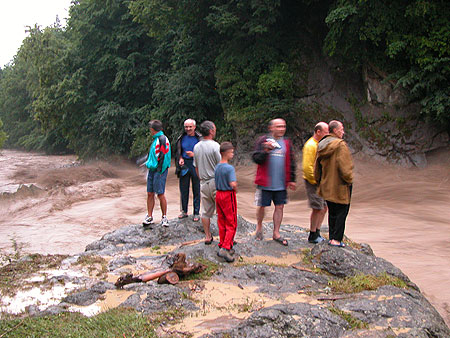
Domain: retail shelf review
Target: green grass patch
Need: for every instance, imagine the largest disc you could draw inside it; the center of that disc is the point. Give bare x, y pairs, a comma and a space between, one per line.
363, 282
113, 323
14, 275
354, 323
211, 269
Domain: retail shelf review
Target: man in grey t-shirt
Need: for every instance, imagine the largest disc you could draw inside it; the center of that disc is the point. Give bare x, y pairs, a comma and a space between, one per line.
206, 157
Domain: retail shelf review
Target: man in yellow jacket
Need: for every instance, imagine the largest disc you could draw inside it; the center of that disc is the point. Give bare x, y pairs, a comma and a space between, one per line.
316, 203
334, 173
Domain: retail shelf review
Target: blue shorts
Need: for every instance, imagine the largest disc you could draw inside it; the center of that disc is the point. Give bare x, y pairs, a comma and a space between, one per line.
263, 198
156, 182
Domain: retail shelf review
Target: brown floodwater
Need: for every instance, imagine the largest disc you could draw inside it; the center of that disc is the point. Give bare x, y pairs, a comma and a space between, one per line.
402, 213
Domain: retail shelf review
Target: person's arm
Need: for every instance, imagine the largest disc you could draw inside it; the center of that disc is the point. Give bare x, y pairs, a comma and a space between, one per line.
309, 158
317, 170
262, 149
345, 163
232, 179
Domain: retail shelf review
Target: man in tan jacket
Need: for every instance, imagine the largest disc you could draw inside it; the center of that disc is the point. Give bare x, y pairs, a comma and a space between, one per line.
334, 173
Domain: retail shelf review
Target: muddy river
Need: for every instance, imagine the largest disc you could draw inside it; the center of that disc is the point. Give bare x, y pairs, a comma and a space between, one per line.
402, 213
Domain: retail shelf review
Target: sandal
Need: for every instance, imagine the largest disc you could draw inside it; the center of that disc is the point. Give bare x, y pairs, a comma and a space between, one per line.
281, 240
196, 218
182, 215
208, 242
259, 236
340, 245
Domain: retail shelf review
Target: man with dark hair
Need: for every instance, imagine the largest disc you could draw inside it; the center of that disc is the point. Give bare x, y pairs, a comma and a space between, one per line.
184, 161
157, 163
316, 203
334, 173
275, 173
206, 157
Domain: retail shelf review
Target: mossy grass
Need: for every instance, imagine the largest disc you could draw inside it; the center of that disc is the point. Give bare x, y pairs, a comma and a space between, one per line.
361, 282
113, 323
14, 275
354, 323
94, 264
211, 269
307, 260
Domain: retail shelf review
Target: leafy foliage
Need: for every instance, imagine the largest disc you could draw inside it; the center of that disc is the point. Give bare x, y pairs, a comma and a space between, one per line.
92, 87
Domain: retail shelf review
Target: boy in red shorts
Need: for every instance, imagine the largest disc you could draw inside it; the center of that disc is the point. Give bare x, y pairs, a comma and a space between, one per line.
226, 206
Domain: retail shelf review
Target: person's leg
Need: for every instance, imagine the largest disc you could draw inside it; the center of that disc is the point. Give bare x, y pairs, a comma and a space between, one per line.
221, 218
277, 219
163, 204
208, 195
259, 219
150, 203
341, 217
159, 188
332, 215
279, 200
184, 192
196, 191
229, 208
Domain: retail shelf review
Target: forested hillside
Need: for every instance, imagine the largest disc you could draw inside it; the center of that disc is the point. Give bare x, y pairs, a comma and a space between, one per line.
91, 87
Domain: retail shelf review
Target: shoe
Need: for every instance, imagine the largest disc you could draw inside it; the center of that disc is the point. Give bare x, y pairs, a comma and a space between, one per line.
196, 218
317, 240
232, 252
165, 221
281, 240
208, 242
182, 215
225, 254
147, 221
340, 245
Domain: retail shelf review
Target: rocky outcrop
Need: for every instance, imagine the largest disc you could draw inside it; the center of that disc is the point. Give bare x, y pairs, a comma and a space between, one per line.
281, 291
379, 120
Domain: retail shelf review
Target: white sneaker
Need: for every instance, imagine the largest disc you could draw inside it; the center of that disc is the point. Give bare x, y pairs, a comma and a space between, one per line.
147, 221
165, 221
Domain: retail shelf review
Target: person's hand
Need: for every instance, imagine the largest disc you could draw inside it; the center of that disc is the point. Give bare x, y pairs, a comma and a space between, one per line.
268, 146
181, 162
190, 153
292, 185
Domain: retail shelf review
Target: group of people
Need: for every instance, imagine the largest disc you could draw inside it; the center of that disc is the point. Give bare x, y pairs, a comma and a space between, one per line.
327, 172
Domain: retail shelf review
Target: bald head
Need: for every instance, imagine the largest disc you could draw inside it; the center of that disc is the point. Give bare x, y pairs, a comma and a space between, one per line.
320, 130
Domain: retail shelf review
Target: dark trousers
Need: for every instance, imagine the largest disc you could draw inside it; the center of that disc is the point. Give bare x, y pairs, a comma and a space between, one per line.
337, 214
185, 181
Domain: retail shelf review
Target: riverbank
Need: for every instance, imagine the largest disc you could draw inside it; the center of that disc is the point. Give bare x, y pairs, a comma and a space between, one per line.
402, 213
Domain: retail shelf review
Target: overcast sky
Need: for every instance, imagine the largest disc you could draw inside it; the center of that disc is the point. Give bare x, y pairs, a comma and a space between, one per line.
15, 15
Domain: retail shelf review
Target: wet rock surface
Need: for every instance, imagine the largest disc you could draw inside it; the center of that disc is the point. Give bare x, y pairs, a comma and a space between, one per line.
290, 285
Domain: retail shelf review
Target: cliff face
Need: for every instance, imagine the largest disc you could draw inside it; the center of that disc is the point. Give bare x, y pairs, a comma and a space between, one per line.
379, 120
269, 291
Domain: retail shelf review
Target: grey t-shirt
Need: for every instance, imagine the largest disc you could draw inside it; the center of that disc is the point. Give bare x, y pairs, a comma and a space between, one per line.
277, 167
224, 174
206, 157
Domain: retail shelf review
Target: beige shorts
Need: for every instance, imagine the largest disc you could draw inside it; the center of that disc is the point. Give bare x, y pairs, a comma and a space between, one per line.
315, 201
208, 198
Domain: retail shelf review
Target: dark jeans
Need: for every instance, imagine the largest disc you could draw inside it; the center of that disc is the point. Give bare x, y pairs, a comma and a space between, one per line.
185, 181
337, 214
